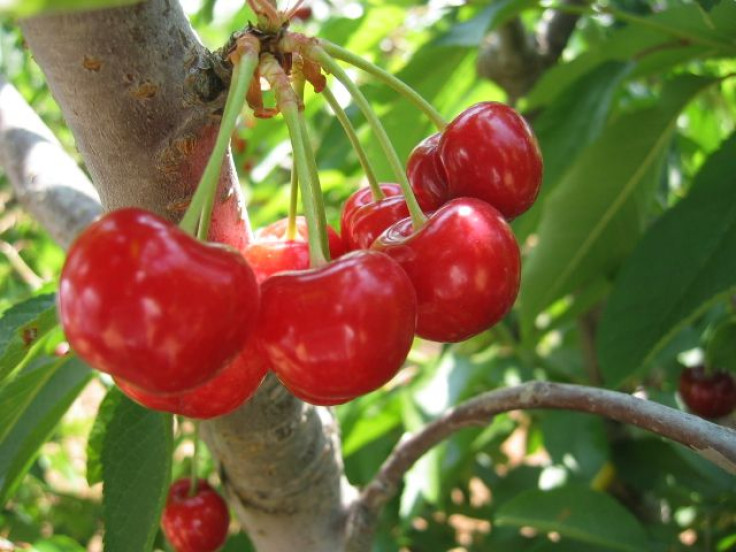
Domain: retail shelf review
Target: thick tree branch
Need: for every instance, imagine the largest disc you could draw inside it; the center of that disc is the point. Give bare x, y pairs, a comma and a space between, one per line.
45, 179
714, 442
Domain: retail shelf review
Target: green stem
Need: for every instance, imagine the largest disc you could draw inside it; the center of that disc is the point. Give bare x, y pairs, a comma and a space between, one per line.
387, 78
289, 105
355, 142
417, 216
197, 216
194, 480
293, 203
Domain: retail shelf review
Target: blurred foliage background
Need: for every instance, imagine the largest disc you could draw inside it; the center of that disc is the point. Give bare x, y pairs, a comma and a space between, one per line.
624, 280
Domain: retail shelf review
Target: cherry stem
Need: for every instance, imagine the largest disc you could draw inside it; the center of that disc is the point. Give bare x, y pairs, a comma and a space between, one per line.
198, 214
387, 78
290, 106
291, 230
328, 63
355, 142
194, 480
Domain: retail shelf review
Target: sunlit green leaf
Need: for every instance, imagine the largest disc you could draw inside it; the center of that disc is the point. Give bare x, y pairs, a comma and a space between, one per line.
96, 438
685, 261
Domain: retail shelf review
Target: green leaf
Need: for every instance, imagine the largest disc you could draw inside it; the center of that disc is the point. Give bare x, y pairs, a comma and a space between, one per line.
592, 220
579, 437
35, 425
57, 543
18, 394
470, 33
136, 468
26, 8
686, 261
578, 513
23, 325
568, 125
97, 434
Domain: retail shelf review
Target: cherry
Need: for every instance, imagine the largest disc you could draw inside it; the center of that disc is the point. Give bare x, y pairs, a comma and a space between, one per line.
710, 395
338, 331
234, 385
370, 220
490, 153
144, 301
197, 523
270, 252
358, 199
426, 174
464, 264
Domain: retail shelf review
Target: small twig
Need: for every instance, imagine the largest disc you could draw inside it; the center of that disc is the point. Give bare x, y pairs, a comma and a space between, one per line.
714, 442
20, 266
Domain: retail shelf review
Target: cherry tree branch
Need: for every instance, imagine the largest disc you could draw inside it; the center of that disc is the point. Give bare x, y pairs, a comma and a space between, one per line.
44, 177
713, 442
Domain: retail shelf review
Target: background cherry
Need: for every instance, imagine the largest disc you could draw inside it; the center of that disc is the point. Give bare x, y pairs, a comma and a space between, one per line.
426, 174
370, 220
358, 199
464, 264
196, 523
708, 394
144, 301
229, 389
270, 252
490, 153
339, 331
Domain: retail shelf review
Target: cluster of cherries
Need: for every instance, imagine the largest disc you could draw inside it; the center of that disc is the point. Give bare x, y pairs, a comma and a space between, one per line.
192, 328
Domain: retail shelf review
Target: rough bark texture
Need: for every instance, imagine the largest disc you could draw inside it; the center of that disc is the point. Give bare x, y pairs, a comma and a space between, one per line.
135, 86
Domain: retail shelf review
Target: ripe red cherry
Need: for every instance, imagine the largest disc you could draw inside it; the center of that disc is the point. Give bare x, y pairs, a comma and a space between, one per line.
426, 174
370, 220
270, 252
710, 395
490, 153
196, 523
464, 264
339, 331
235, 384
144, 301
358, 199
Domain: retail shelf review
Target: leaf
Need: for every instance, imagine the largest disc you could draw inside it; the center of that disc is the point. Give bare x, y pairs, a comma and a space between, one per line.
35, 425
720, 350
578, 437
592, 220
686, 261
470, 33
97, 434
21, 326
578, 513
136, 468
26, 8
18, 394
568, 125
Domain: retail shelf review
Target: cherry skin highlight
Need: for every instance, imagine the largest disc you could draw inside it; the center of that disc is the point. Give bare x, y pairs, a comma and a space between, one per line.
196, 523
465, 266
709, 395
339, 331
426, 174
490, 153
235, 384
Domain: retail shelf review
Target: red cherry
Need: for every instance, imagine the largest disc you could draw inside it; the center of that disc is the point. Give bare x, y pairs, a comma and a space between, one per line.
426, 174
464, 264
144, 301
303, 13
489, 152
234, 385
339, 331
196, 523
710, 395
270, 252
370, 220
358, 199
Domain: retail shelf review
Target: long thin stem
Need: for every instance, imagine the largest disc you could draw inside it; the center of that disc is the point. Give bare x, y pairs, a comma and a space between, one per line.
199, 212
194, 480
289, 105
317, 53
387, 78
355, 142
